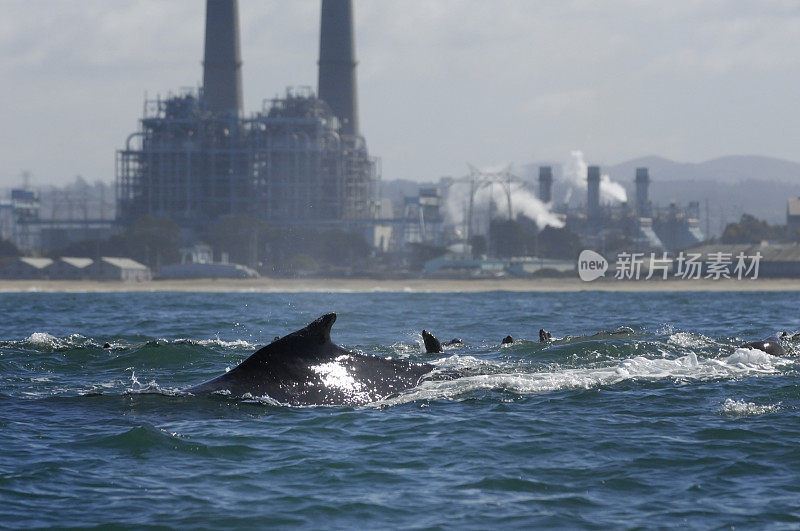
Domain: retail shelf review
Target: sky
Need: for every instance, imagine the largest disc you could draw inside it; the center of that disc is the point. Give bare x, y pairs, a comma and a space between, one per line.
442, 83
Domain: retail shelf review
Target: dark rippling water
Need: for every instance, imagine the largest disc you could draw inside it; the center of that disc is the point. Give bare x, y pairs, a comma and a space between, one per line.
669, 425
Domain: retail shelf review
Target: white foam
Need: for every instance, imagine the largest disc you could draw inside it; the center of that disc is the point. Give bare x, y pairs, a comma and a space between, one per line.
404, 350
219, 343
462, 362
665, 329
685, 339
746, 357
740, 408
268, 401
138, 388
742, 363
42, 339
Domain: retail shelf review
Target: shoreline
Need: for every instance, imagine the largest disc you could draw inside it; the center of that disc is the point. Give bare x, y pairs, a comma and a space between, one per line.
365, 285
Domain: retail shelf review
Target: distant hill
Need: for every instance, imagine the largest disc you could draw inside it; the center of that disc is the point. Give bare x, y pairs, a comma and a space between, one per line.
730, 169
732, 185
727, 201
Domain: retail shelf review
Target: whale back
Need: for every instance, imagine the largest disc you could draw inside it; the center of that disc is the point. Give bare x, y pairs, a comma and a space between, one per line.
307, 343
306, 367
770, 345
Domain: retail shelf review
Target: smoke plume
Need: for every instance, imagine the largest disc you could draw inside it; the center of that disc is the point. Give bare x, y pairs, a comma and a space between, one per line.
494, 196
575, 180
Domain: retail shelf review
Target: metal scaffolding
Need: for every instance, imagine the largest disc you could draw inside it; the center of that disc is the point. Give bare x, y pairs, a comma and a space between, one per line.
287, 164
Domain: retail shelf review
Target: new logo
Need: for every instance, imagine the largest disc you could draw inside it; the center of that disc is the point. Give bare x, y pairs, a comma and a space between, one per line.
591, 265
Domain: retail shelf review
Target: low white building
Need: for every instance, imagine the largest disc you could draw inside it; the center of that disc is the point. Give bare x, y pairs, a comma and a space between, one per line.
112, 268
70, 268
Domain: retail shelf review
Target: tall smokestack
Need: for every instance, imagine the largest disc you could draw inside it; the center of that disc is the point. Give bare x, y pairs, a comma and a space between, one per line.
642, 200
337, 63
593, 191
222, 65
545, 184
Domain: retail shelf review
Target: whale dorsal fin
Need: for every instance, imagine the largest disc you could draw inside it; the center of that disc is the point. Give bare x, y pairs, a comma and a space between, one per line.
303, 342
320, 328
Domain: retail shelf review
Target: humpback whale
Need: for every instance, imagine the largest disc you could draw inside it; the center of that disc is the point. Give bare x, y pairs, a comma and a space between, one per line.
771, 345
432, 345
306, 368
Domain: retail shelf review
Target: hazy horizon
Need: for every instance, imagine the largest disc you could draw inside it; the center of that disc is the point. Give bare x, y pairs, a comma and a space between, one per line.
441, 84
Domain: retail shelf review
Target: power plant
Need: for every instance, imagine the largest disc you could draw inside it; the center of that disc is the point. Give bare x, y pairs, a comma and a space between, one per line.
299, 160
300, 163
639, 226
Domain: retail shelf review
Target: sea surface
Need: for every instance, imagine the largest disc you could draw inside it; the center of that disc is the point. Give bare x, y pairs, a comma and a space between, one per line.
668, 424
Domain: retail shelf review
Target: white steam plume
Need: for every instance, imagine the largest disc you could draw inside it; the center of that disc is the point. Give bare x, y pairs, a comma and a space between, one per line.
575, 179
522, 202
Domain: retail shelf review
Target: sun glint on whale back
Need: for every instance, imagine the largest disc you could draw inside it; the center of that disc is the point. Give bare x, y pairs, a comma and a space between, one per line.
306, 368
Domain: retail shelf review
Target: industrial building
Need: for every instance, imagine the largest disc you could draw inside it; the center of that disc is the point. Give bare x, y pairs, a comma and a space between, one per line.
299, 160
642, 225
114, 268
421, 220
22, 223
19, 218
793, 219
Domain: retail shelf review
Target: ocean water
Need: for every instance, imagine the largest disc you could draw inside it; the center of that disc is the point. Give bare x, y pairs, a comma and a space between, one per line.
671, 424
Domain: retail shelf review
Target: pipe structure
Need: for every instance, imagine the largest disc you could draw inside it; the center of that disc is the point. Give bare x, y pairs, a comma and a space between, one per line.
337, 63
593, 191
222, 63
642, 199
545, 184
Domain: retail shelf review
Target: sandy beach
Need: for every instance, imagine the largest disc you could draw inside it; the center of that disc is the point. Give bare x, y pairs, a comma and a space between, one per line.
293, 285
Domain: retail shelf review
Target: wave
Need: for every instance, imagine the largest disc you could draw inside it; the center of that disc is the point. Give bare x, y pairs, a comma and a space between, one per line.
743, 362
79, 365
46, 342
146, 438
462, 376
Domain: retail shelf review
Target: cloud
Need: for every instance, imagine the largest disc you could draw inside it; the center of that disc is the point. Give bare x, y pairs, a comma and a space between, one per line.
440, 81
576, 101
735, 46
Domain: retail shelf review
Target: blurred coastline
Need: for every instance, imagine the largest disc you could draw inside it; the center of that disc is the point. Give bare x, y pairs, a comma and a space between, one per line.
361, 285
